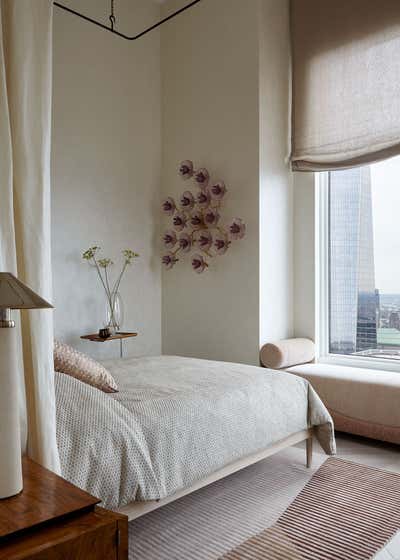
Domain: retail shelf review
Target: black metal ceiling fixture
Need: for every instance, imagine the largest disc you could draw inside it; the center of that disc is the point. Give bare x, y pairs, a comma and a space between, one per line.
112, 20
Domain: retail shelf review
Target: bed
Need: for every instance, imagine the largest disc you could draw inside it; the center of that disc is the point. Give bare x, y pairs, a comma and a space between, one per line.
178, 424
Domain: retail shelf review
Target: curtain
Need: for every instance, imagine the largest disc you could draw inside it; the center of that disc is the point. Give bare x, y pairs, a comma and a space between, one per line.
346, 82
25, 127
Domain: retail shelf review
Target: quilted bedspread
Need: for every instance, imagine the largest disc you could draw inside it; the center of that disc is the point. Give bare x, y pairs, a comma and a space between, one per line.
175, 421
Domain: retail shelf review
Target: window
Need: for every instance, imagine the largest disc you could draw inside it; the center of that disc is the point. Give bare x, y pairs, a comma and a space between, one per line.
361, 254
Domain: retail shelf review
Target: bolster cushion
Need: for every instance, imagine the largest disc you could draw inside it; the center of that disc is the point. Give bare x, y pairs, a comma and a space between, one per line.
287, 353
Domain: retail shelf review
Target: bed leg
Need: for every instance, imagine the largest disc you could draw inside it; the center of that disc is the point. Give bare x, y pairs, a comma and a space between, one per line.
309, 451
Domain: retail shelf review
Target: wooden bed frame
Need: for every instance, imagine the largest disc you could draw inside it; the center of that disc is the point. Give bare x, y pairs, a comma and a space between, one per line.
137, 509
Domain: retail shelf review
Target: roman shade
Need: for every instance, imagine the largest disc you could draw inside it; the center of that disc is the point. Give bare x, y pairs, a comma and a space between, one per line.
346, 82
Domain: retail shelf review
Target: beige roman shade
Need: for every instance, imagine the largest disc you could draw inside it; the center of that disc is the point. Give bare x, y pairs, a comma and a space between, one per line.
346, 82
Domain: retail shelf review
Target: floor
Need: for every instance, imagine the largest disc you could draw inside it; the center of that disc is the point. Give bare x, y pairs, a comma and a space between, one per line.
206, 524
368, 451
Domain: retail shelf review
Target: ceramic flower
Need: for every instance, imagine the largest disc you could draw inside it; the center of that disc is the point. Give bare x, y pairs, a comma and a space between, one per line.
201, 177
196, 219
90, 253
203, 199
103, 263
221, 243
198, 263
187, 200
129, 255
169, 206
185, 242
237, 229
211, 217
169, 260
204, 240
218, 190
169, 239
179, 221
186, 169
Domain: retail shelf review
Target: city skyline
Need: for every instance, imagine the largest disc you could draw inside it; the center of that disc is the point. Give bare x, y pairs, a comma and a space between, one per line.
364, 261
353, 298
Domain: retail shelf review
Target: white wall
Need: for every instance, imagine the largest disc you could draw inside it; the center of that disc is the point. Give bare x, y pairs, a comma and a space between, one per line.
106, 170
276, 180
216, 87
304, 255
224, 104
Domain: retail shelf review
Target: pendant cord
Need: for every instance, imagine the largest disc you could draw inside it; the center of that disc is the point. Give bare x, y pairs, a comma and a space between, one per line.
111, 29
112, 17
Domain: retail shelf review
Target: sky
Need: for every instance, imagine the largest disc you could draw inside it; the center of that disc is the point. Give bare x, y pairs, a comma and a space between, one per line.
385, 186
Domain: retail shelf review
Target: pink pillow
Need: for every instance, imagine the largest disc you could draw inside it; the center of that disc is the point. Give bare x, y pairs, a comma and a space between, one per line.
76, 364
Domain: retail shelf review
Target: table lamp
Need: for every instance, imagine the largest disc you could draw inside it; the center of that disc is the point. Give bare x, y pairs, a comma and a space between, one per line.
13, 295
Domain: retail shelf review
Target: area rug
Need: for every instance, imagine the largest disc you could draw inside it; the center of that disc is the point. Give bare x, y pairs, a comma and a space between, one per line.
209, 523
347, 511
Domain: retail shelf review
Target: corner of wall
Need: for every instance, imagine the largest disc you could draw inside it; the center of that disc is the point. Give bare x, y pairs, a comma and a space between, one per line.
304, 255
276, 178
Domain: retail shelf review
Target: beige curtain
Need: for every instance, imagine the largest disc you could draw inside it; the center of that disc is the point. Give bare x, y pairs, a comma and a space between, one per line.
25, 126
346, 82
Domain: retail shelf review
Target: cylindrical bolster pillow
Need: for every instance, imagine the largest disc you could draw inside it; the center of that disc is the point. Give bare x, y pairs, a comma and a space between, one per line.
287, 353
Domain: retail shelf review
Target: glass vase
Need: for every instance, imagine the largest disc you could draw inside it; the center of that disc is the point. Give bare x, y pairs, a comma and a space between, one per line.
114, 313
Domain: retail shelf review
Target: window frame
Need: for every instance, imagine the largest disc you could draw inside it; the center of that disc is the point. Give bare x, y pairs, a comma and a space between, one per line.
321, 186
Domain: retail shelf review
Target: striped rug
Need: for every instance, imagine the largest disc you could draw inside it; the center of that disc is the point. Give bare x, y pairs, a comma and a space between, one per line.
347, 511
209, 523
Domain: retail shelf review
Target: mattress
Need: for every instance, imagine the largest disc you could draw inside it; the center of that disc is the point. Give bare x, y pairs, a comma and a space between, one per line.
175, 421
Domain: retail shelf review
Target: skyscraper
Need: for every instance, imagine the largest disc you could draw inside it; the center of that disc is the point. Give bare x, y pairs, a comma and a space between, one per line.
353, 298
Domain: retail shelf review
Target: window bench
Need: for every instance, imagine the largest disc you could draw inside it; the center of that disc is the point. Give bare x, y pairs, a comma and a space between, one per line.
361, 401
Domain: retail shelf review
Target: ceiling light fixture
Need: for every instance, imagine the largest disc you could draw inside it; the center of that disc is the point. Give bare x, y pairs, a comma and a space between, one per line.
112, 20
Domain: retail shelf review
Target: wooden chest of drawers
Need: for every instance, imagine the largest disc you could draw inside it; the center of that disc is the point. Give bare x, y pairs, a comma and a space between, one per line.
53, 520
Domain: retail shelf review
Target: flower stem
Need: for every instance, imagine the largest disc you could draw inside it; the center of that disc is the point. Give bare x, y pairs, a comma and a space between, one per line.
118, 282
111, 301
107, 291
101, 277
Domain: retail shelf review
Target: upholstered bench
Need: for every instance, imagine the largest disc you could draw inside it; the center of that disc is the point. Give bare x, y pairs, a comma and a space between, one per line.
365, 402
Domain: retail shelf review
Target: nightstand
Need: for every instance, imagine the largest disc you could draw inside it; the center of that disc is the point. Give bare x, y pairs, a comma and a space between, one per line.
117, 336
52, 519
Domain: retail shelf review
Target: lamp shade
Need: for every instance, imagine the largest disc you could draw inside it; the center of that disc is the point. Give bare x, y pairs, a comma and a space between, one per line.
16, 295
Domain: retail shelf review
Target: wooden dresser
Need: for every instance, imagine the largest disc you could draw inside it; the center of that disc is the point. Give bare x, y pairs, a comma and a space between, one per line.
54, 520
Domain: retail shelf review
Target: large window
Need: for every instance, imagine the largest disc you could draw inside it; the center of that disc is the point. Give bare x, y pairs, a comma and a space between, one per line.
362, 256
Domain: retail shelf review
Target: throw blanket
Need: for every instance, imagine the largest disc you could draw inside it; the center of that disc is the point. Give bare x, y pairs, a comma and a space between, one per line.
175, 421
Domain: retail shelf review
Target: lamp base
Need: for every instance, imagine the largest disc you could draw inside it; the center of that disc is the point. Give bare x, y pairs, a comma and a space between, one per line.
10, 438
5, 319
12, 494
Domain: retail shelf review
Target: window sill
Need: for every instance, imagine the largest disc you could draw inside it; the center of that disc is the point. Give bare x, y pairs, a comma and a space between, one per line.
383, 365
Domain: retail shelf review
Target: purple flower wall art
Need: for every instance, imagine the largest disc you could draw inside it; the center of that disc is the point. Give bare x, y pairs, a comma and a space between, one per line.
211, 217
218, 190
237, 229
204, 240
185, 169
179, 220
170, 239
168, 206
195, 221
201, 177
168, 260
221, 243
185, 242
198, 263
186, 201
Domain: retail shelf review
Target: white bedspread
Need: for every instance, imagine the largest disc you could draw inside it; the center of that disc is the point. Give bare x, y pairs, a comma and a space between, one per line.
175, 421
